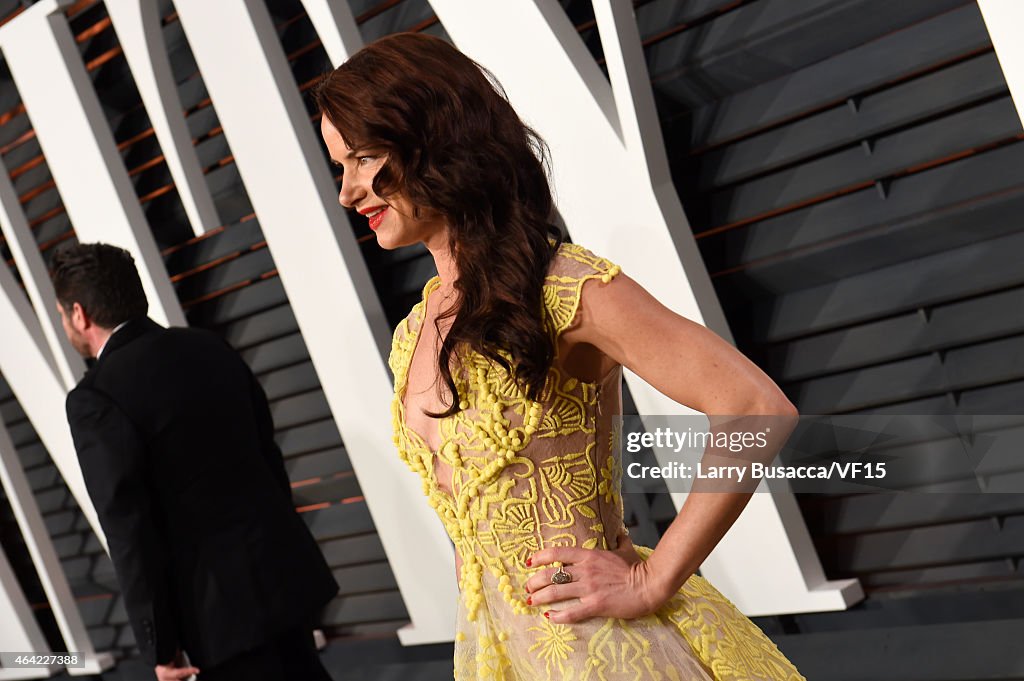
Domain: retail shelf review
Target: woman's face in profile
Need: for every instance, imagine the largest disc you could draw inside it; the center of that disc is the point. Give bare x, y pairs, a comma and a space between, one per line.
392, 221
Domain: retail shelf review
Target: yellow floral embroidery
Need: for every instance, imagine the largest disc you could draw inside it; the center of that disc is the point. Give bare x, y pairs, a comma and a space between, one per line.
617, 648
610, 479
554, 645
525, 475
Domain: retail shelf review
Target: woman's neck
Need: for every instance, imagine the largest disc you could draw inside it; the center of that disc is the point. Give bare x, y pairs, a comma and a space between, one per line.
444, 261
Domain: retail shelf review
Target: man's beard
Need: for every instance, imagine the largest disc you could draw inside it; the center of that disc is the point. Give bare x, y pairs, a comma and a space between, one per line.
80, 345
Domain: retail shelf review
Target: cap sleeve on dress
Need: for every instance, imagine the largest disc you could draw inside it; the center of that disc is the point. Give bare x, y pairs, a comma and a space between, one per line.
571, 268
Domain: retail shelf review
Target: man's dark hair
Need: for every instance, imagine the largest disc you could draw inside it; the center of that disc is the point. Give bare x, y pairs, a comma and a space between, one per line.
102, 279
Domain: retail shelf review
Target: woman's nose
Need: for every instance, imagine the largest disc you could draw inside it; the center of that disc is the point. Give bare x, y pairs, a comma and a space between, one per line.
350, 193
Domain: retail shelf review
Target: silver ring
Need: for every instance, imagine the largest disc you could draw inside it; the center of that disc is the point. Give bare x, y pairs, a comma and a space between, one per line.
561, 577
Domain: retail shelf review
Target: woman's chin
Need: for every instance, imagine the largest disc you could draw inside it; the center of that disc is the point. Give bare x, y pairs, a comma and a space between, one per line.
384, 242
390, 243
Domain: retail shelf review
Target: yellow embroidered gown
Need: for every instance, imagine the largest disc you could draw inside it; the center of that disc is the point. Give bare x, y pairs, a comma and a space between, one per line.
527, 475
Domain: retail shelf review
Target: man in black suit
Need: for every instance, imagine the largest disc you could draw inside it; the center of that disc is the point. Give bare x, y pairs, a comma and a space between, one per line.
175, 440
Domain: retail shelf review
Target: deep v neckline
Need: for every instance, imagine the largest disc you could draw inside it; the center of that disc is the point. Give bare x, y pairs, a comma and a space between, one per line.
429, 288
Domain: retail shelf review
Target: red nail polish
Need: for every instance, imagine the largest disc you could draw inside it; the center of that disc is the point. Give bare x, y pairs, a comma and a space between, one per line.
547, 614
529, 562
529, 601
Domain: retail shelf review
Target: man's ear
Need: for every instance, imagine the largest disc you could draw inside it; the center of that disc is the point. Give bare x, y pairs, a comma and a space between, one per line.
79, 317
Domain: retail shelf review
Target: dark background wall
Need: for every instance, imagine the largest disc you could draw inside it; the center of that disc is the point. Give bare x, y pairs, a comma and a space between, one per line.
852, 172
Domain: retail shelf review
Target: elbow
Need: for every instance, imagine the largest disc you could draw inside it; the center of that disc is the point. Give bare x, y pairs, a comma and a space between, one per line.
775, 404
783, 407
776, 415
781, 412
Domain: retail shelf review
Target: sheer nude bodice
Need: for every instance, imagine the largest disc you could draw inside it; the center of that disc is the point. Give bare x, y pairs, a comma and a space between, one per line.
509, 476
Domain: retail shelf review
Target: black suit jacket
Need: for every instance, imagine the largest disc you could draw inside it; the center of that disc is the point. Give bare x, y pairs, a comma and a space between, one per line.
175, 441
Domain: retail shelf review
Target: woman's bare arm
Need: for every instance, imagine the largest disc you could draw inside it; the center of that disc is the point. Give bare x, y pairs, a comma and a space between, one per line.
695, 367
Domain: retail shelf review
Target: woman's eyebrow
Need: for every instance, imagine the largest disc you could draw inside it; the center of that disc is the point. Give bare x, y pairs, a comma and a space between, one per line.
350, 154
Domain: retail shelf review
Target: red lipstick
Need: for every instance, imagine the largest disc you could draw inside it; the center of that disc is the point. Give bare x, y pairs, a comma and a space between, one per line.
375, 219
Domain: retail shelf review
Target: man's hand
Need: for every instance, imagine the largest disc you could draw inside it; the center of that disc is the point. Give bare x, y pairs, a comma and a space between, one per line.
174, 670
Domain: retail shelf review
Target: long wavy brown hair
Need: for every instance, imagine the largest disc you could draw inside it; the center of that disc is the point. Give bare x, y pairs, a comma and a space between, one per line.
456, 147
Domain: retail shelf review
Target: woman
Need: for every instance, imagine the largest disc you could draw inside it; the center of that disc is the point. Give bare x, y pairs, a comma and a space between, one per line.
507, 376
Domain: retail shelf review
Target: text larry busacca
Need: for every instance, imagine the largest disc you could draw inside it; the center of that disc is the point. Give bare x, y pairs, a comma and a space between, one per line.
737, 441
757, 470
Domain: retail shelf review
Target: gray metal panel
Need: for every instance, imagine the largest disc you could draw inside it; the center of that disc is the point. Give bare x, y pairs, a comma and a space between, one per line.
976, 269
915, 100
958, 542
963, 200
942, 327
942, 652
850, 73
883, 157
757, 42
899, 298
